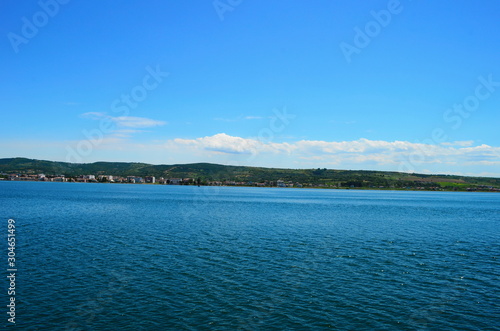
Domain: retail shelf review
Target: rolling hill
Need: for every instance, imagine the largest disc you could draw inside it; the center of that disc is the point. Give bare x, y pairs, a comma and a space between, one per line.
208, 172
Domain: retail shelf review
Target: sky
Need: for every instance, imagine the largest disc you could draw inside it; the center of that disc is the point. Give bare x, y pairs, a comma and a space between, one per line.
406, 85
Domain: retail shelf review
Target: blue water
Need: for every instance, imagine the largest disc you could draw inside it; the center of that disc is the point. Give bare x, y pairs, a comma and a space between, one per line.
150, 257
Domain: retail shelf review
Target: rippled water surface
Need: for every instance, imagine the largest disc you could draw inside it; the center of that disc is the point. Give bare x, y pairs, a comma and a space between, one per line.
150, 257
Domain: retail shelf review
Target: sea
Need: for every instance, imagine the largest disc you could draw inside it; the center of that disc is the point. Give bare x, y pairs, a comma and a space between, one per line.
157, 257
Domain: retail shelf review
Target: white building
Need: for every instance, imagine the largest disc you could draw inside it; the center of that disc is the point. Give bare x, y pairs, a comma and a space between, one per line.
175, 181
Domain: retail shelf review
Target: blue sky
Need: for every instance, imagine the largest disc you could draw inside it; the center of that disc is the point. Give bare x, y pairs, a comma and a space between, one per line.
383, 85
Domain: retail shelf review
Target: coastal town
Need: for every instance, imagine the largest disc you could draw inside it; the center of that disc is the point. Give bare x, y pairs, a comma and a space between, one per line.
140, 180
97, 179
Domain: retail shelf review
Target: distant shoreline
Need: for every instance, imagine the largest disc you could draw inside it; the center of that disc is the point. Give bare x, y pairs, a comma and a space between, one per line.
209, 174
271, 187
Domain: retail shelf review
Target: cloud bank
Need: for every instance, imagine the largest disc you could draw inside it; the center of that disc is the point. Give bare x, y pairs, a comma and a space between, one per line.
358, 151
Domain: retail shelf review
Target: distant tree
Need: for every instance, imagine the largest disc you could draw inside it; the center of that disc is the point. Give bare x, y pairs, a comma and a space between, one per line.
318, 172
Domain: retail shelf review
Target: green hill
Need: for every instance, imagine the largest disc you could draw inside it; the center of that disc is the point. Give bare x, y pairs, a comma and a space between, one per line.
208, 172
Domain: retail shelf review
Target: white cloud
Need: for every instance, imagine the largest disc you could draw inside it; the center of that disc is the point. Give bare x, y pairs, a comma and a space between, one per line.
223, 143
136, 122
124, 126
125, 121
125, 133
253, 117
463, 143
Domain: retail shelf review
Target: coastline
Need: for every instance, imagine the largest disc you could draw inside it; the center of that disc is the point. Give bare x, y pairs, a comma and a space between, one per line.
494, 190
